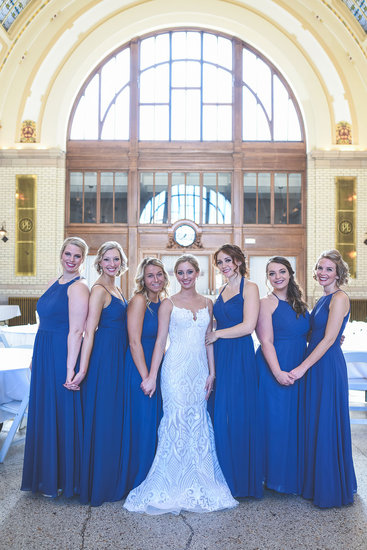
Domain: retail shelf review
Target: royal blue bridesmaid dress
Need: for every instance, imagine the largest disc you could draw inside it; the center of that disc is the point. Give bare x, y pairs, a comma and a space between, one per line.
103, 407
279, 405
234, 403
329, 478
54, 426
142, 414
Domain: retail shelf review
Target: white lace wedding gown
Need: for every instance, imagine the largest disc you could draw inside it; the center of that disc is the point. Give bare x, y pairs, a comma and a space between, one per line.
185, 474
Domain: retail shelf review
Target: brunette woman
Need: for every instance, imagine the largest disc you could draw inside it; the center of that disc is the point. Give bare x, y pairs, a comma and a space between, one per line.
282, 330
235, 400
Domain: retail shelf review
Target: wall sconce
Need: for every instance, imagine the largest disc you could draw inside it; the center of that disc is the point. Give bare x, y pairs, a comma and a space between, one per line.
3, 233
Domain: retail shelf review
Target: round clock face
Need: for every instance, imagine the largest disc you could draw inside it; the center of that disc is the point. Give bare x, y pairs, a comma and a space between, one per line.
185, 235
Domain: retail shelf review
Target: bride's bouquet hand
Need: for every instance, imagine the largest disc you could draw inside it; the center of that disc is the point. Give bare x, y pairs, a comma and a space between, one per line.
209, 385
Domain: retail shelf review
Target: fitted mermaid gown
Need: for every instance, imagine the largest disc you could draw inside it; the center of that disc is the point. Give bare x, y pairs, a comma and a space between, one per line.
329, 478
279, 410
185, 474
54, 427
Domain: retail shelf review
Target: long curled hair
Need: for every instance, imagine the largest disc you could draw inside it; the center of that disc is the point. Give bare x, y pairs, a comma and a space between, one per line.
236, 254
140, 287
294, 291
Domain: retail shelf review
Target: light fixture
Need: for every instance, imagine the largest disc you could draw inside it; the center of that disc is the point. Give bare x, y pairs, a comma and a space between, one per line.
3, 233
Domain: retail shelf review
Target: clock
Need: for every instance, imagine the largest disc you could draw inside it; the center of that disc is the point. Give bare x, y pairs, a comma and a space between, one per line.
185, 235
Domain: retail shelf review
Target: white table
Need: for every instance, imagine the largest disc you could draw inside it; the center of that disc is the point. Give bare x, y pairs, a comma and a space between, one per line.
8, 312
19, 336
14, 390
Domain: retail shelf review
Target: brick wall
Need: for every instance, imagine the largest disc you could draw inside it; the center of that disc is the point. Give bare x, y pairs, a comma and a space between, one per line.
49, 167
323, 168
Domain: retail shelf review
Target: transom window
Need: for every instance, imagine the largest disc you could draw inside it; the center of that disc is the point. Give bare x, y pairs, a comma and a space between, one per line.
98, 197
204, 198
272, 198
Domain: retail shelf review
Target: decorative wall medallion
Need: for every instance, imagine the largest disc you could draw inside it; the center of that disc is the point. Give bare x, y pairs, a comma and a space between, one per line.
28, 132
345, 227
26, 225
343, 133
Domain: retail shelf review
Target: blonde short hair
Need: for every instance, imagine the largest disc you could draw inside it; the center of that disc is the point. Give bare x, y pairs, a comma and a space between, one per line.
187, 258
105, 247
76, 241
342, 268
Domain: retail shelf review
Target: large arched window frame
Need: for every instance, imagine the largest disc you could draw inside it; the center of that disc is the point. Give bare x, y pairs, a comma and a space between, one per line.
261, 153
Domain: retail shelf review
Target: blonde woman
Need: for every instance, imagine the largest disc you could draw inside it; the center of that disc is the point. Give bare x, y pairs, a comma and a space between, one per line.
102, 359
329, 478
54, 430
142, 413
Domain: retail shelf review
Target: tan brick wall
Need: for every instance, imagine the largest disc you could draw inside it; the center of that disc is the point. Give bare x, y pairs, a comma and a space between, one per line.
49, 167
323, 168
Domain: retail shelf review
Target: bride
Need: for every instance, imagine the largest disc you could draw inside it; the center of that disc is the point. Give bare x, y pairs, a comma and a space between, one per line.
185, 474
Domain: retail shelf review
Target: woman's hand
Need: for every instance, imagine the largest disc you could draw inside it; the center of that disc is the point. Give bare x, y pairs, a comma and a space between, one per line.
148, 385
69, 383
284, 378
298, 372
211, 337
209, 384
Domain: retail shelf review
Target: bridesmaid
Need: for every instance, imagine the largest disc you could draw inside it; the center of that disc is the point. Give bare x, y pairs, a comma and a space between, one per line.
54, 428
142, 414
282, 330
329, 478
234, 403
104, 349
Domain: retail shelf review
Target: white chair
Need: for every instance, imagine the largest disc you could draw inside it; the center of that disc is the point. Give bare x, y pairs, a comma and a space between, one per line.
357, 379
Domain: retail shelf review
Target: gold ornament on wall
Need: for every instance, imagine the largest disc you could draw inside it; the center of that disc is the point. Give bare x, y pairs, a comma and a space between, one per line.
28, 132
343, 133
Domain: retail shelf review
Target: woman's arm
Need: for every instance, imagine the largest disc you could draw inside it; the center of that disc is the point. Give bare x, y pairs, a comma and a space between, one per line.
210, 355
164, 313
265, 334
135, 319
251, 306
339, 307
97, 301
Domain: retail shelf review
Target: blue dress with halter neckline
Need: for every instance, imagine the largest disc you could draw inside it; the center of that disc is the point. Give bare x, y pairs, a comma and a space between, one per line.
329, 478
54, 426
234, 403
103, 407
142, 414
279, 405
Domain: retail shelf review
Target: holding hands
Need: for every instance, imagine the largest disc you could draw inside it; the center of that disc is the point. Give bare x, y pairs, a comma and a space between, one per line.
148, 385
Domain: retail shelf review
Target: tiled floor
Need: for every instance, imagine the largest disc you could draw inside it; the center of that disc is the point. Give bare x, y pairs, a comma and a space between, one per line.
275, 522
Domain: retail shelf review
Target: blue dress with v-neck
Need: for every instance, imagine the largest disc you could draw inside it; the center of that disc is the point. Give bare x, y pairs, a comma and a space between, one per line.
103, 405
329, 478
142, 413
234, 403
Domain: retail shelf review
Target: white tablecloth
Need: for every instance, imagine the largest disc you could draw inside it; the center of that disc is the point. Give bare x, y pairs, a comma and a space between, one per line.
14, 376
22, 335
8, 312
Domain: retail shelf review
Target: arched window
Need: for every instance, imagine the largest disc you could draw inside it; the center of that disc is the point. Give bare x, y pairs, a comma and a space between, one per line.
183, 85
